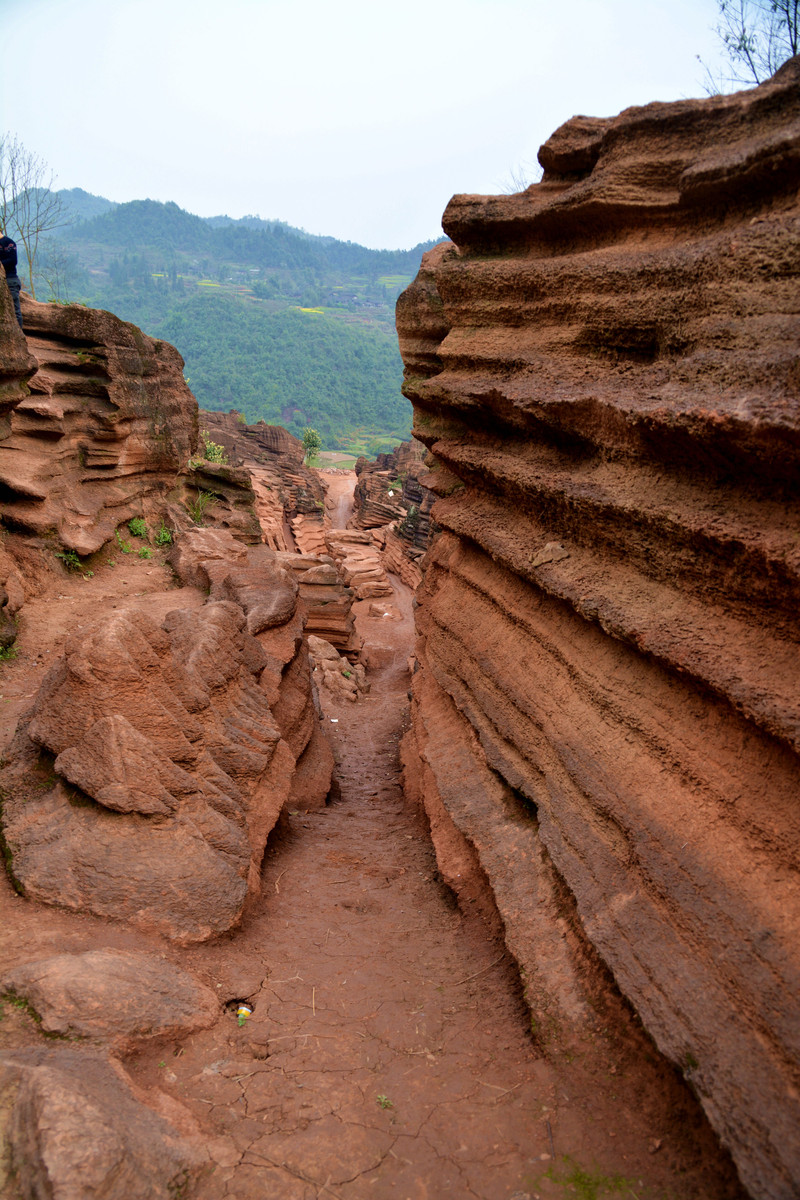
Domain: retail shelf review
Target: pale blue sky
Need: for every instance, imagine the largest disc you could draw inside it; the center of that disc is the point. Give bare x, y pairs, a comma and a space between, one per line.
351, 118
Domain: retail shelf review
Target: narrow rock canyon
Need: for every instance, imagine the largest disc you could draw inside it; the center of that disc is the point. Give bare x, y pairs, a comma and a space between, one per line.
430, 829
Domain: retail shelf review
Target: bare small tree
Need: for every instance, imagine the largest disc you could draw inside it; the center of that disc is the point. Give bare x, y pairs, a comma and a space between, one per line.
55, 268
758, 36
29, 208
520, 178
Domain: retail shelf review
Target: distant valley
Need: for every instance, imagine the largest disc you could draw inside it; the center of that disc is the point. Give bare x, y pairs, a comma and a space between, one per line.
284, 326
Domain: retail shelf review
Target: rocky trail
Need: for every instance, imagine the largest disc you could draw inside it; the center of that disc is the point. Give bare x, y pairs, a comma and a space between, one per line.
389, 1052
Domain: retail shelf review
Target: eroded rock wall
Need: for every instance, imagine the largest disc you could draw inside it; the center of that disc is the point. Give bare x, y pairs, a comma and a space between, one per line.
390, 500
104, 432
289, 497
156, 758
605, 367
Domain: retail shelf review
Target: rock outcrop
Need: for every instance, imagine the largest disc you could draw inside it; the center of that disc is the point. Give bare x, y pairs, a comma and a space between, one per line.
605, 368
342, 679
289, 497
17, 364
156, 758
392, 502
327, 602
73, 1127
104, 433
359, 561
113, 996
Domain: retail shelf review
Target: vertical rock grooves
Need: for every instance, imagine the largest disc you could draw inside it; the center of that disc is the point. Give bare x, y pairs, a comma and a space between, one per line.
605, 369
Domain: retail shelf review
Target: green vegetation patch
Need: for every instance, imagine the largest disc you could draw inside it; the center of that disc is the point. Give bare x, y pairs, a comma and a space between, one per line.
280, 368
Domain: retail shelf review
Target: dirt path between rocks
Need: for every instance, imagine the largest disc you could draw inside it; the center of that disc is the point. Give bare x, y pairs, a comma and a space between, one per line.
389, 1052
339, 488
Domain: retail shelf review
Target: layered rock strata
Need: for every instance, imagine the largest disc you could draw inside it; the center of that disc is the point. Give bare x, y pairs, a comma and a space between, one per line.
327, 602
359, 561
289, 497
156, 758
391, 501
17, 363
104, 432
605, 368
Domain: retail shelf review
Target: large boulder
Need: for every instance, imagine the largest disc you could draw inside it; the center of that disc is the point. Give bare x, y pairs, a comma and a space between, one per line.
112, 996
72, 1128
144, 782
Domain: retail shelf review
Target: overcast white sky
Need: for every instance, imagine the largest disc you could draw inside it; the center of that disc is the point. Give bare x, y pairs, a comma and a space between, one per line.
354, 118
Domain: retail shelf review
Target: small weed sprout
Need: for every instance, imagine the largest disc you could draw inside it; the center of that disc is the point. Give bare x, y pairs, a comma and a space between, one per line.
8, 652
587, 1185
137, 527
145, 552
163, 535
212, 451
384, 1102
198, 507
124, 546
70, 560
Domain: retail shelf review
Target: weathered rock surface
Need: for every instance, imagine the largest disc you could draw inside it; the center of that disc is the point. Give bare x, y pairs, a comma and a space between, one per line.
219, 496
378, 495
341, 678
359, 561
327, 602
74, 1129
289, 497
156, 758
605, 368
392, 502
112, 995
102, 437
17, 363
398, 557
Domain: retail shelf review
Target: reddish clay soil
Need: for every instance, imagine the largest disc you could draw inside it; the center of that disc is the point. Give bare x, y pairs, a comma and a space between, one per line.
339, 485
389, 1052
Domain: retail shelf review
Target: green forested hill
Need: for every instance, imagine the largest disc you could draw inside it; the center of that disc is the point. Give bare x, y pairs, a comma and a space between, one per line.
313, 369
285, 326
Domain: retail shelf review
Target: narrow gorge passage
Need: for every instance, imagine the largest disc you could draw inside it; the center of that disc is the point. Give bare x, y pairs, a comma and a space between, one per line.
389, 1052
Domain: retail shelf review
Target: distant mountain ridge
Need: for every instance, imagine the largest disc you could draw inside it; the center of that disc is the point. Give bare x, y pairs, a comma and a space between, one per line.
286, 326
119, 219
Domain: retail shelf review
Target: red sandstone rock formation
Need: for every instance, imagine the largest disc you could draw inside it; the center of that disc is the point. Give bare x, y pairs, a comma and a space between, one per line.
112, 996
76, 1128
289, 497
359, 561
327, 602
605, 367
390, 500
107, 427
16, 364
168, 751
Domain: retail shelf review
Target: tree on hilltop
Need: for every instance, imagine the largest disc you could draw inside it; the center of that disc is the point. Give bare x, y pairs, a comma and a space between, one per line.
29, 208
312, 442
758, 37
